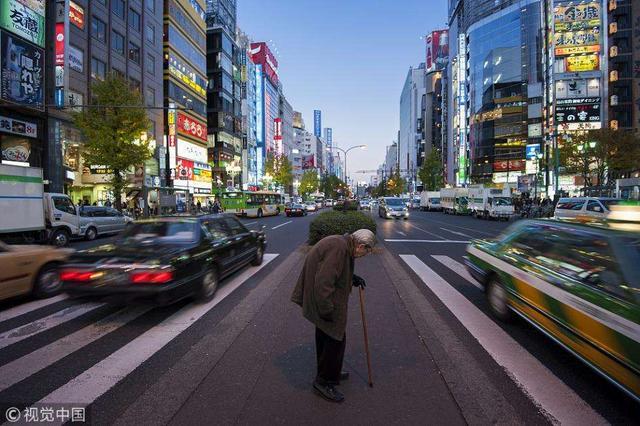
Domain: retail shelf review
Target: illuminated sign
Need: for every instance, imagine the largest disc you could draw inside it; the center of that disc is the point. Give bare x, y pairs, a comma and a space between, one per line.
532, 151
76, 59
192, 151
575, 50
508, 165
259, 108
23, 21
317, 122
570, 111
186, 75
582, 63
586, 37
192, 127
76, 15
577, 13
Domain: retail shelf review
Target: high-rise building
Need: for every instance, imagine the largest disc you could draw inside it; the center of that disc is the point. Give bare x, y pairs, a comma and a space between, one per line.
410, 123
94, 39
249, 112
224, 96
286, 114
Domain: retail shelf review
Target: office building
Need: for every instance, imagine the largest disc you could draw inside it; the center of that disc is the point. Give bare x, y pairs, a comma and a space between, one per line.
410, 138
249, 112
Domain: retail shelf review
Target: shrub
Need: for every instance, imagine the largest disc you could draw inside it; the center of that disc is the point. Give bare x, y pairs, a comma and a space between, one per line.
346, 206
338, 223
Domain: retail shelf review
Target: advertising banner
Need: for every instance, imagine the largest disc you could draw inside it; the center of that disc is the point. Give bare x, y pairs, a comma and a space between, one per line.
192, 127
59, 46
18, 127
532, 151
317, 122
20, 20
578, 13
187, 75
582, 63
260, 54
586, 37
437, 50
508, 165
277, 122
184, 169
21, 72
76, 59
585, 110
308, 162
192, 151
76, 15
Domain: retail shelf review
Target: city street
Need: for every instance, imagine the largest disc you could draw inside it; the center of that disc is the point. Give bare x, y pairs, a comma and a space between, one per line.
247, 356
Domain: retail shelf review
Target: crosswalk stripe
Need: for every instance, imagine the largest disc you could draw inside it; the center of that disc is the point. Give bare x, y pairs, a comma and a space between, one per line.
17, 334
94, 382
458, 268
21, 368
555, 397
25, 308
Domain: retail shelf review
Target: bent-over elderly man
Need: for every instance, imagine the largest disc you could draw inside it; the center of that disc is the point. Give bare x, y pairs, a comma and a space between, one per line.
323, 290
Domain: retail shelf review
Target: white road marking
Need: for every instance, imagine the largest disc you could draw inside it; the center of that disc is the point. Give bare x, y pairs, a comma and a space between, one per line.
23, 367
402, 233
535, 379
427, 232
394, 240
458, 268
17, 334
94, 382
282, 224
250, 223
457, 233
462, 227
25, 308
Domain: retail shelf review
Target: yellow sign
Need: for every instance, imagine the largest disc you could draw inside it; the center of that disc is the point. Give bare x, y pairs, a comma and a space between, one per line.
582, 63
576, 50
577, 25
577, 38
580, 12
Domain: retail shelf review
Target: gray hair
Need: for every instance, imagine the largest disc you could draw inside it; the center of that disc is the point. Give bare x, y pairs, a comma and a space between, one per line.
364, 236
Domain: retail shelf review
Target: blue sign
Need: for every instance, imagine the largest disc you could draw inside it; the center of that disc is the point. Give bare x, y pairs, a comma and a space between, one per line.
317, 123
532, 151
328, 135
259, 107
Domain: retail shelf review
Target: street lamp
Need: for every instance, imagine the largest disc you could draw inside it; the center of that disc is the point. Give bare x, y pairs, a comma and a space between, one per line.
345, 152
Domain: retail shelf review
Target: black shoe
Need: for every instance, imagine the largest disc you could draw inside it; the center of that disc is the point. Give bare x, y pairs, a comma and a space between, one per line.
328, 392
344, 375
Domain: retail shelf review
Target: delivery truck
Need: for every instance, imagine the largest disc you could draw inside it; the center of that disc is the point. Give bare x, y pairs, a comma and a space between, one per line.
430, 200
490, 203
31, 215
454, 200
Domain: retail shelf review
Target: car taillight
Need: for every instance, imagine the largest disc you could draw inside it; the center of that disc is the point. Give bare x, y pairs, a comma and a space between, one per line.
78, 275
151, 277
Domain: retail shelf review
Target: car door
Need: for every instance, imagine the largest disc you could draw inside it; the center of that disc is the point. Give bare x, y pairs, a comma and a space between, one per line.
242, 239
16, 267
594, 209
117, 220
63, 212
222, 243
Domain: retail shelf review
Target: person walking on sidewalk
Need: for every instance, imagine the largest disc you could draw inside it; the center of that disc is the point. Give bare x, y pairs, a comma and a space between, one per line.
322, 291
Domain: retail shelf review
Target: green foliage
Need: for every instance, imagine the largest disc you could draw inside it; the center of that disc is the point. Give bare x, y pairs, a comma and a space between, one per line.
395, 184
279, 167
112, 134
332, 186
346, 206
380, 190
430, 172
308, 183
338, 223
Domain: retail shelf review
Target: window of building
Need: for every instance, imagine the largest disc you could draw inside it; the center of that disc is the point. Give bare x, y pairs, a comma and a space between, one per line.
134, 20
98, 69
150, 33
151, 97
117, 7
98, 29
134, 53
150, 64
117, 42
151, 5
118, 73
135, 84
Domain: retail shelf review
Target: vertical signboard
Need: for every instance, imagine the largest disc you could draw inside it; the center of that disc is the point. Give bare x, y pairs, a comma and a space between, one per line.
317, 123
462, 112
21, 71
437, 50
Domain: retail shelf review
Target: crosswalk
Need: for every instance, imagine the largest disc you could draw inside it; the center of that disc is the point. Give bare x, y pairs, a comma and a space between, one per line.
547, 390
85, 386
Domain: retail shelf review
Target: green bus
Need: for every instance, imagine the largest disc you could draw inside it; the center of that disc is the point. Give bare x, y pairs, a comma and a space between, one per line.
252, 203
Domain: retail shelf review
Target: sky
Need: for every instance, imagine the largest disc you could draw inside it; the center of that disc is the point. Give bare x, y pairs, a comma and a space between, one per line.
347, 58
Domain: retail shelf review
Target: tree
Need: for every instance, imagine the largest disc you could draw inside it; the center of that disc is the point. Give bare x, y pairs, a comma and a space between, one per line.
600, 156
113, 129
332, 186
308, 183
395, 184
430, 172
279, 167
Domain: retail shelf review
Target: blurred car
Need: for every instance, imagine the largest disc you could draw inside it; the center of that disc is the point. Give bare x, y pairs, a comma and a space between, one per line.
328, 202
95, 221
577, 283
393, 207
295, 210
584, 208
310, 206
165, 259
30, 269
364, 205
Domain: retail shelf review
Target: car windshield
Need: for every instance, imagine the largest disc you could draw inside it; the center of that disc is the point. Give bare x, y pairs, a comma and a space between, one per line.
296, 206
434, 200
179, 231
502, 201
462, 200
394, 202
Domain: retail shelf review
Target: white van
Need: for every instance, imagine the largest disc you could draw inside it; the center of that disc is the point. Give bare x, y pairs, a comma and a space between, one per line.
584, 207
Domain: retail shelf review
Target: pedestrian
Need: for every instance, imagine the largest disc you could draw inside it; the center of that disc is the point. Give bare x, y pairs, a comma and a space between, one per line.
199, 206
107, 203
216, 207
322, 291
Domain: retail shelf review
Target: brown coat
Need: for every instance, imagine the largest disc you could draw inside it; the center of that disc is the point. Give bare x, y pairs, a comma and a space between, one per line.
324, 285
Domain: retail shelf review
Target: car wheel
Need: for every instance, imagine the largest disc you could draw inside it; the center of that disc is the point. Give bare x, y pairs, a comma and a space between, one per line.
257, 260
498, 299
60, 238
259, 212
47, 282
91, 234
208, 285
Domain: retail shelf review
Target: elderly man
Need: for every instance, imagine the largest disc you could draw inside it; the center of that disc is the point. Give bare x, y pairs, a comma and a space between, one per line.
323, 292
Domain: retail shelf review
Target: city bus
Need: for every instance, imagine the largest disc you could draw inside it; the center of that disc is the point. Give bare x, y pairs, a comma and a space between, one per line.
252, 203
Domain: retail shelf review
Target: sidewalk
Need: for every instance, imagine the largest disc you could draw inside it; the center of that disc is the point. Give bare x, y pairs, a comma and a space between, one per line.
265, 375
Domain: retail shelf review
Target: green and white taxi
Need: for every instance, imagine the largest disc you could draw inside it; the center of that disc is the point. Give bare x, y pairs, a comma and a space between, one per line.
577, 283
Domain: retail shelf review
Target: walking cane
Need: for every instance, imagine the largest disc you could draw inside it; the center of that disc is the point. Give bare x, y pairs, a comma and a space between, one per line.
366, 336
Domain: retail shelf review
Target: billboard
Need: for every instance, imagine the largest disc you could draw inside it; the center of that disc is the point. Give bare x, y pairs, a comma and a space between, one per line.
260, 54
437, 50
308, 162
192, 127
582, 63
76, 15
584, 110
21, 71
23, 21
317, 123
577, 29
508, 165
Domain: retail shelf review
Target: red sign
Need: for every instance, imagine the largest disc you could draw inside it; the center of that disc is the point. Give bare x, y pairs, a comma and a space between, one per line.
437, 49
184, 169
278, 129
60, 43
76, 15
308, 162
189, 126
260, 54
509, 165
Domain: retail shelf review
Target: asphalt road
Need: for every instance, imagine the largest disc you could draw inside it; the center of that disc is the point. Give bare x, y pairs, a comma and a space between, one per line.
246, 356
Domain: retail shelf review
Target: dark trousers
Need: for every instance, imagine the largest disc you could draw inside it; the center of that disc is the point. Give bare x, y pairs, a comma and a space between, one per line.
330, 354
